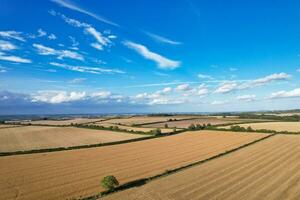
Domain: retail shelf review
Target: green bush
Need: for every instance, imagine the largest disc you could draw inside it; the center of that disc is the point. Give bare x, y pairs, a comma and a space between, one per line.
109, 182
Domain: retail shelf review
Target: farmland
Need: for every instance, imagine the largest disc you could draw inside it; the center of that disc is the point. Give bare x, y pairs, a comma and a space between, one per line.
76, 173
136, 120
202, 120
276, 126
266, 170
131, 128
64, 122
41, 137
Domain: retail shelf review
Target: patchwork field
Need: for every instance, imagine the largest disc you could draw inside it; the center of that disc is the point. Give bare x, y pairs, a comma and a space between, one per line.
266, 170
276, 126
65, 122
144, 119
68, 174
130, 128
42, 137
187, 123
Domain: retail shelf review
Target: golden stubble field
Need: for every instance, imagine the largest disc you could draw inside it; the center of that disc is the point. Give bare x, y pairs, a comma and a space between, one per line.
276, 126
145, 119
68, 174
201, 121
41, 137
266, 170
64, 122
129, 128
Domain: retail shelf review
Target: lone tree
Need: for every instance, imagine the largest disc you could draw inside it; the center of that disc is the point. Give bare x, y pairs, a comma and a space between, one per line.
109, 182
166, 125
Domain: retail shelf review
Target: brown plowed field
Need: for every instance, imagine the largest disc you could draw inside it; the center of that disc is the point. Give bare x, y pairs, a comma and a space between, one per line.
67, 174
43, 137
266, 170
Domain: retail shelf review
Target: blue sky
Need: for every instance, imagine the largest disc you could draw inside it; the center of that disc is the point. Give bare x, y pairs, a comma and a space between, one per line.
63, 56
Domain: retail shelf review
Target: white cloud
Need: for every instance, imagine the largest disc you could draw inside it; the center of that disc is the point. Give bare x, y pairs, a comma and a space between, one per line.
204, 76
74, 41
162, 39
232, 69
52, 37
101, 40
286, 94
270, 78
163, 101
85, 69
102, 94
246, 97
12, 35
3, 69
162, 62
218, 102
184, 87
77, 80
73, 6
226, 87
43, 50
7, 46
41, 33
16, 59
55, 97
202, 90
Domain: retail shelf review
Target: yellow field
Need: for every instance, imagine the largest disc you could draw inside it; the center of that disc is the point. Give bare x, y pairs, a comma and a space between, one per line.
144, 119
276, 126
71, 174
201, 121
64, 122
266, 170
42, 137
129, 128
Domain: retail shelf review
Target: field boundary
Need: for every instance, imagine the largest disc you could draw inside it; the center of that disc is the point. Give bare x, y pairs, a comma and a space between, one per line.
143, 181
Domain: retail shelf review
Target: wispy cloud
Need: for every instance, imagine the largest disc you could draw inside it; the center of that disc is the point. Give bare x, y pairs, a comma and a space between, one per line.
229, 86
73, 6
247, 98
77, 80
12, 35
85, 69
7, 46
162, 62
3, 69
43, 50
286, 94
101, 39
204, 76
162, 39
16, 59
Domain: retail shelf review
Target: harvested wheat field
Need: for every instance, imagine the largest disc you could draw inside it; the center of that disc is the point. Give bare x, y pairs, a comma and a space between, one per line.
130, 128
145, 119
188, 122
43, 137
266, 170
8, 125
276, 126
65, 122
71, 174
